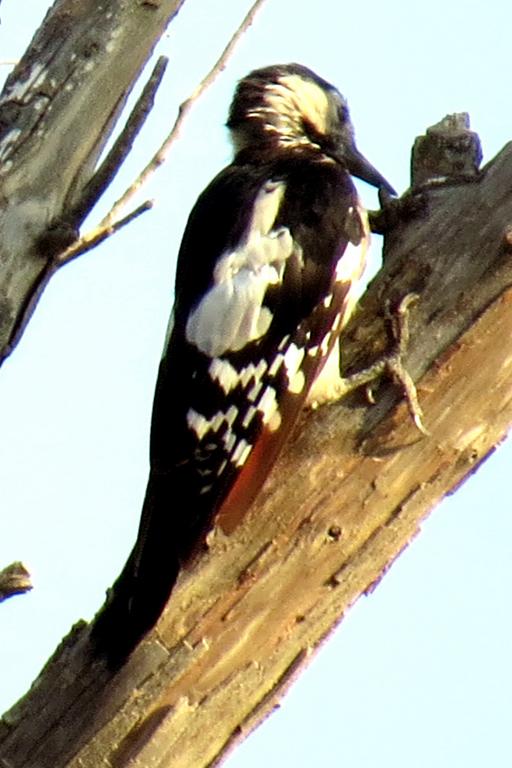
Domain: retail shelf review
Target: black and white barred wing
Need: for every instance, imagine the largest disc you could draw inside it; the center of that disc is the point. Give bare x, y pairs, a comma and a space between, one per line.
244, 352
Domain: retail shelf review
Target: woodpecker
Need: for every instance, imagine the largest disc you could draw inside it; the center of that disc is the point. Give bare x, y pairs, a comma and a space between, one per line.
266, 280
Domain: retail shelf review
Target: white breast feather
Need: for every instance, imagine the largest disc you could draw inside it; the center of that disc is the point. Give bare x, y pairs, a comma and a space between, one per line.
230, 315
328, 385
351, 266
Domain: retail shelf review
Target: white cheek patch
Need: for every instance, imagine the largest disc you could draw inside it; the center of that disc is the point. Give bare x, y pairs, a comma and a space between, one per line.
307, 98
231, 314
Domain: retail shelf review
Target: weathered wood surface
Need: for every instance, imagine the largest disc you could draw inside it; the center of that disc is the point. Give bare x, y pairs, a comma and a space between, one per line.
57, 111
347, 496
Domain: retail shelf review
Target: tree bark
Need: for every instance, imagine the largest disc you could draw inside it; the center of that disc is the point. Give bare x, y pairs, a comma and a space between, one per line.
57, 111
354, 483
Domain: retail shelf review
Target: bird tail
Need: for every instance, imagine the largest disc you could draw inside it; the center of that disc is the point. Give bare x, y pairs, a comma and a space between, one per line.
138, 596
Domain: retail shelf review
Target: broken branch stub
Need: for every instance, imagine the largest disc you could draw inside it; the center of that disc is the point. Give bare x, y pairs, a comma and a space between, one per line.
14, 580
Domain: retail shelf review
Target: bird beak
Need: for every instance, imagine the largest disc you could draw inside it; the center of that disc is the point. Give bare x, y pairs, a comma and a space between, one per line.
358, 165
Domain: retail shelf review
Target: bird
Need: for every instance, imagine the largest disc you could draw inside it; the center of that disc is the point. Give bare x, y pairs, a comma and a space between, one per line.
267, 277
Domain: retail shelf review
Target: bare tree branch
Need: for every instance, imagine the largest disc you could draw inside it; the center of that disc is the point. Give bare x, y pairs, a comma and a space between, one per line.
99, 234
57, 111
160, 156
107, 171
67, 246
347, 496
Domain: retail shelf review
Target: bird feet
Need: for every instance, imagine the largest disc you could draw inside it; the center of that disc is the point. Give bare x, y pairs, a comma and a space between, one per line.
390, 365
394, 211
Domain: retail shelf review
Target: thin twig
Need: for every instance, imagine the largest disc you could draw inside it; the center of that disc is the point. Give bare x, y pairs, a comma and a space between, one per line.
122, 146
391, 365
97, 235
183, 111
14, 580
77, 248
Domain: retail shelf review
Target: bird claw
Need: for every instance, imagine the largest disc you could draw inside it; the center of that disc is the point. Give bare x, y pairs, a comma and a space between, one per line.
392, 363
394, 211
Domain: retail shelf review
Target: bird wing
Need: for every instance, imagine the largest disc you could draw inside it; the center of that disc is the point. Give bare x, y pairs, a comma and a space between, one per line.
263, 290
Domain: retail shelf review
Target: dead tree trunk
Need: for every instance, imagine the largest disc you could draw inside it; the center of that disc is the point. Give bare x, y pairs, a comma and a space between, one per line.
57, 111
351, 489
344, 500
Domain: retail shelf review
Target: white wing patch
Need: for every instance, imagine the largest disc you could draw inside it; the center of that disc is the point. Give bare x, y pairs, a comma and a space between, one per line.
293, 360
231, 314
241, 453
261, 401
251, 371
268, 405
224, 373
202, 426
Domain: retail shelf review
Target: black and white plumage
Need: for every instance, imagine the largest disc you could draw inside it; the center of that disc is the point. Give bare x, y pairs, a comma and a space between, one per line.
265, 283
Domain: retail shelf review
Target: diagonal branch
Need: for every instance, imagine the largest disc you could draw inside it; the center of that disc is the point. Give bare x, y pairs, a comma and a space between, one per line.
57, 111
347, 496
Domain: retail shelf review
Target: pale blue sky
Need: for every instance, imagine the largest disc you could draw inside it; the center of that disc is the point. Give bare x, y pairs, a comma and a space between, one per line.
419, 673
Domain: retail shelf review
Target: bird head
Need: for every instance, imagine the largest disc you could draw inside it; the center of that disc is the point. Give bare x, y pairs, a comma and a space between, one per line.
289, 107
